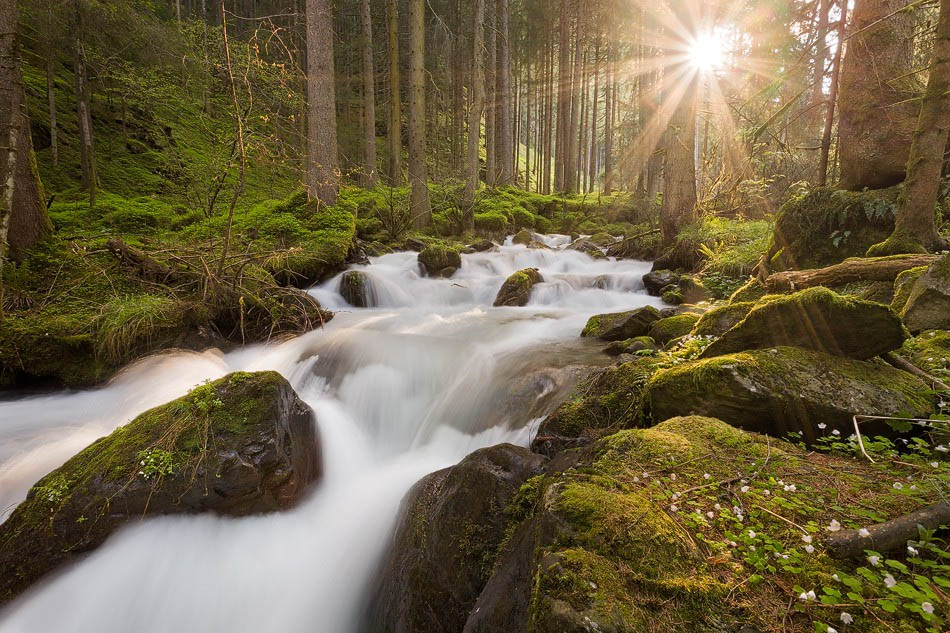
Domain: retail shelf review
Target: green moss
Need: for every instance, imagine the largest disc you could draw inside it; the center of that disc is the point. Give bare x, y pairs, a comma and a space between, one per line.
903, 286
722, 318
670, 328
752, 291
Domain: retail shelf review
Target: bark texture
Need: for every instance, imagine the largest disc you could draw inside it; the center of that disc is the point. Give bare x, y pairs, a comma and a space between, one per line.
418, 172
323, 176
877, 117
395, 98
23, 218
887, 537
475, 110
369, 96
679, 191
848, 271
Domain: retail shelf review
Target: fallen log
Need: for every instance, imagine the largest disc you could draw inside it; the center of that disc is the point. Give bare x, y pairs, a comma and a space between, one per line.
888, 537
145, 267
848, 271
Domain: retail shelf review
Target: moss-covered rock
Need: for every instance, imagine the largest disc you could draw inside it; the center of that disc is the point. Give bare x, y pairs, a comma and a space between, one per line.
631, 346
440, 260
784, 390
751, 291
903, 285
824, 226
523, 237
721, 319
666, 330
516, 291
451, 526
355, 289
244, 444
930, 351
608, 400
928, 303
620, 326
816, 318
693, 289
588, 247
672, 295
324, 250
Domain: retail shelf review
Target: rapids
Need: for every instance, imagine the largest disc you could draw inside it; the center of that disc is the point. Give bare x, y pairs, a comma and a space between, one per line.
411, 385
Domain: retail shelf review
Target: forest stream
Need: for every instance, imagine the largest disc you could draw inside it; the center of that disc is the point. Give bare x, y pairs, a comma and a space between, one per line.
429, 374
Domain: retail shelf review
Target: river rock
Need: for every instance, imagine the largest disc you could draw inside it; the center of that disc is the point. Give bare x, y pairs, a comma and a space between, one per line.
720, 320
620, 326
588, 247
928, 303
818, 319
481, 246
354, 289
630, 346
439, 260
656, 280
608, 399
451, 526
523, 237
244, 444
784, 390
516, 291
672, 328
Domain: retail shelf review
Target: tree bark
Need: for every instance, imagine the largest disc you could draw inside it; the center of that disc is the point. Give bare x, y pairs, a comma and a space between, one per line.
888, 537
23, 217
848, 271
491, 48
609, 121
679, 178
323, 176
476, 108
51, 100
504, 137
395, 97
418, 174
916, 227
832, 104
369, 96
878, 113
87, 151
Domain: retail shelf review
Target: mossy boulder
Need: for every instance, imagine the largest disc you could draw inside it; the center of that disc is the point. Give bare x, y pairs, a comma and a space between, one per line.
605, 401
440, 260
903, 285
753, 290
523, 237
657, 280
481, 246
816, 318
324, 250
451, 526
693, 289
785, 390
721, 319
928, 303
825, 226
930, 351
672, 295
631, 346
356, 289
588, 247
516, 291
603, 239
244, 444
620, 326
669, 329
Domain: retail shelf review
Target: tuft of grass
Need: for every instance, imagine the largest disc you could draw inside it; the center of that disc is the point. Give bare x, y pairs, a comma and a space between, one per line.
130, 321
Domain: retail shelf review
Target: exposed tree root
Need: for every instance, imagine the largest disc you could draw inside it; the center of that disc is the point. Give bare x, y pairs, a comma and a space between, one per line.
848, 271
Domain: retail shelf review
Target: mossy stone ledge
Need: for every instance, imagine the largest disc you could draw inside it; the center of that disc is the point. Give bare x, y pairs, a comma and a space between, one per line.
440, 260
244, 444
516, 291
788, 390
672, 328
619, 326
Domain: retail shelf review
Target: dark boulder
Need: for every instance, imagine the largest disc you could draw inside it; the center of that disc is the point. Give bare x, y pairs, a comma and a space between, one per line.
481, 246
439, 260
818, 319
516, 291
630, 346
244, 444
928, 303
355, 289
453, 522
523, 237
620, 326
655, 281
784, 390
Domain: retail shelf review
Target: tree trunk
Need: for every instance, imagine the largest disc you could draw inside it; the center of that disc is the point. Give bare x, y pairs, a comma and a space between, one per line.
86, 147
23, 218
679, 179
491, 49
395, 97
418, 176
916, 228
561, 150
369, 96
323, 176
570, 176
849, 271
832, 104
476, 108
504, 137
609, 122
51, 99
878, 113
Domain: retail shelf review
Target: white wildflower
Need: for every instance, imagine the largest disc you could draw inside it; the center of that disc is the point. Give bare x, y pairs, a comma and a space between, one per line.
846, 618
912, 551
935, 464
836, 432
874, 560
711, 514
706, 475
744, 489
926, 607
835, 576
806, 538
822, 426
889, 581
898, 485
673, 508
863, 533
834, 526
832, 629
672, 476
751, 534
810, 549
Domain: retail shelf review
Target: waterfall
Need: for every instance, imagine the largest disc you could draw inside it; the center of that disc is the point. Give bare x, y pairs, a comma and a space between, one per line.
429, 374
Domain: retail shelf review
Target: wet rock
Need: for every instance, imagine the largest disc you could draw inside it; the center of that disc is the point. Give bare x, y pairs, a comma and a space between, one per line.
244, 444
524, 237
752, 291
452, 523
720, 320
692, 289
658, 279
784, 390
818, 319
353, 288
669, 329
481, 246
588, 247
603, 240
621, 325
436, 260
516, 291
672, 295
928, 303
666, 313
903, 285
607, 400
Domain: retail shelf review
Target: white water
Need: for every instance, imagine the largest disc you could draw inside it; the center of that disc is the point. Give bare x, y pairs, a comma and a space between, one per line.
399, 390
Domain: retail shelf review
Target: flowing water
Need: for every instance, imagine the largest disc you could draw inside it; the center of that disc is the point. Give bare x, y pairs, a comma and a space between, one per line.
428, 374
